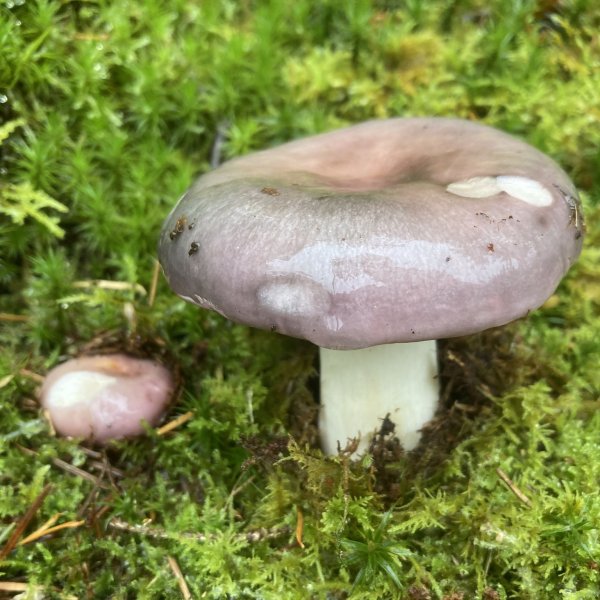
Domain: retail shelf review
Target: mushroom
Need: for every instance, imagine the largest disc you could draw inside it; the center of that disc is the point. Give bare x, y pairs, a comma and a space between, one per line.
372, 242
101, 398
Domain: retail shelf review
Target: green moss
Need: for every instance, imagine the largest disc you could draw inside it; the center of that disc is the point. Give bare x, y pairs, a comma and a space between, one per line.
118, 106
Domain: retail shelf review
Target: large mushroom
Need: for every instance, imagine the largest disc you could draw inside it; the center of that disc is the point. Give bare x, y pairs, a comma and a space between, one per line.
372, 242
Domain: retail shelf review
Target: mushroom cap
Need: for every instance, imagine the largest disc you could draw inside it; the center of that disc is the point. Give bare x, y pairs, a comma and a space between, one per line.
389, 231
107, 397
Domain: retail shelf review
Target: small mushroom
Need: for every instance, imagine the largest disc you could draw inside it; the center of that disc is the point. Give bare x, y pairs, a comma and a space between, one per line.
101, 398
378, 242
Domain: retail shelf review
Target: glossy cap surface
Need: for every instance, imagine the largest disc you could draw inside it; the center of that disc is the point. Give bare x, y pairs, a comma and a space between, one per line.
388, 231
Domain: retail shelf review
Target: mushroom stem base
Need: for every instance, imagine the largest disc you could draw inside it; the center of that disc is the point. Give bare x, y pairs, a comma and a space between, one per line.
360, 387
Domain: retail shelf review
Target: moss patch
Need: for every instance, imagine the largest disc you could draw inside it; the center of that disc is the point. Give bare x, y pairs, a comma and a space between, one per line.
107, 112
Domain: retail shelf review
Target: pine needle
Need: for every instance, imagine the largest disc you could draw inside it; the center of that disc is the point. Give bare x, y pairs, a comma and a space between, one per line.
185, 591
180, 420
24, 522
44, 530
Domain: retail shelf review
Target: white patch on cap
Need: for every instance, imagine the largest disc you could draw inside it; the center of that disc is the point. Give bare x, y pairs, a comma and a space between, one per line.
521, 188
525, 189
476, 187
78, 387
329, 264
296, 299
333, 323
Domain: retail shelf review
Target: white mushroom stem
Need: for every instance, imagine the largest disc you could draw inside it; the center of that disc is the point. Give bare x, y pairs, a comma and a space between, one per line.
360, 387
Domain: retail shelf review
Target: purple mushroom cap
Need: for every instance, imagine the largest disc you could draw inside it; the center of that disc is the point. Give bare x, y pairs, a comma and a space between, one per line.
389, 231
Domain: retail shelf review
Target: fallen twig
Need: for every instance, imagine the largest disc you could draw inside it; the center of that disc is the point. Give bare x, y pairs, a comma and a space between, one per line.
33, 591
256, 535
69, 468
13, 318
513, 488
299, 527
185, 591
31, 375
154, 283
14, 586
106, 284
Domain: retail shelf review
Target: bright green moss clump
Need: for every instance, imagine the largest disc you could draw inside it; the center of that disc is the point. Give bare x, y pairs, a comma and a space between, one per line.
107, 112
